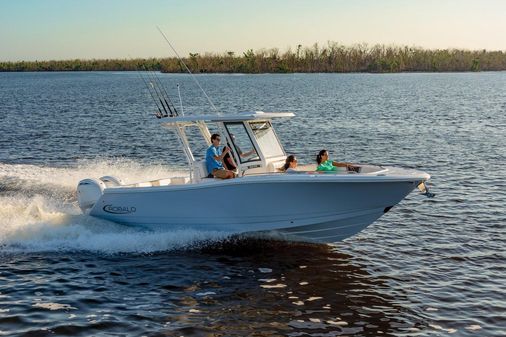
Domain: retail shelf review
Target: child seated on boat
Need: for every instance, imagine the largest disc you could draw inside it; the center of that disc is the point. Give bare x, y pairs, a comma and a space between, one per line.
214, 159
326, 165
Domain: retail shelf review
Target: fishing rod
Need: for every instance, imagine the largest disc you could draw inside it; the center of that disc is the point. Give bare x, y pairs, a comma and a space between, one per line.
158, 94
161, 102
166, 97
188, 70
155, 85
159, 114
162, 93
147, 82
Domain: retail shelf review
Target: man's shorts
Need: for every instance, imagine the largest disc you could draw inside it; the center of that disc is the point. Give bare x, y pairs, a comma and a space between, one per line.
220, 173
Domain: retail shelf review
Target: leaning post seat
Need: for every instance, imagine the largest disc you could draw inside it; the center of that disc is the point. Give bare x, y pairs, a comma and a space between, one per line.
200, 169
275, 166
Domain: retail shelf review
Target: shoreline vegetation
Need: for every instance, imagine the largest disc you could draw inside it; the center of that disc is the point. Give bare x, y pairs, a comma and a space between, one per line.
330, 58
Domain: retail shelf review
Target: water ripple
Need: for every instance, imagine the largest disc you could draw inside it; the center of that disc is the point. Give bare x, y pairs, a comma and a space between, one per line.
427, 268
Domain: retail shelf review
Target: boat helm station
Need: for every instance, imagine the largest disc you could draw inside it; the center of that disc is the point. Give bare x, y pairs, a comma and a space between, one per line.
256, 148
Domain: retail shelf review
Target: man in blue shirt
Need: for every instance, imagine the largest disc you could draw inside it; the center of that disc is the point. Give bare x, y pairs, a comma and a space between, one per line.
214, 159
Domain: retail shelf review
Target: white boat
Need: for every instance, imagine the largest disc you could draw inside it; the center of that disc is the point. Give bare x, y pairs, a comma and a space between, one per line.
306, 206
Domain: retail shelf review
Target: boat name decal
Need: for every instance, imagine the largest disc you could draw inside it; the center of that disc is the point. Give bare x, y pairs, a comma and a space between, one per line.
119, 209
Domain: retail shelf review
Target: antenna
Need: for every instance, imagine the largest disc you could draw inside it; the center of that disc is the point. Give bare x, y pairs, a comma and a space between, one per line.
188, 69
180, 100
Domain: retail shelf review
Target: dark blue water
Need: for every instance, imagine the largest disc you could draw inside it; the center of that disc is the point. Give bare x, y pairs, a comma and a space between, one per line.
430, 267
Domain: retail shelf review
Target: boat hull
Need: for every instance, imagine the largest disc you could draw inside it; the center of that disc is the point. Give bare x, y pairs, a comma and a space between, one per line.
314, 208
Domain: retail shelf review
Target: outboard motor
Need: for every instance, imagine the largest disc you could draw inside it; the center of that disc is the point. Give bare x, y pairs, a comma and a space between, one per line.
111, 181
88, 192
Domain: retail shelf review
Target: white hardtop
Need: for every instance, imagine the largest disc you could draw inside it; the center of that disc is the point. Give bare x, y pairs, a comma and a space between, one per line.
239, 117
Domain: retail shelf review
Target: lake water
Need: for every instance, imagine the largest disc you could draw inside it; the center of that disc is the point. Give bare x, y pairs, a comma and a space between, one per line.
430, 267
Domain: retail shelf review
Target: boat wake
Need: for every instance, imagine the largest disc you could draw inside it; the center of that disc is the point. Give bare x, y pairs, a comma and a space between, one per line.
39, 212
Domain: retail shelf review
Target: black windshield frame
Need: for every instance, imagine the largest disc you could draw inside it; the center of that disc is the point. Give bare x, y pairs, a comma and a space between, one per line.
253, 145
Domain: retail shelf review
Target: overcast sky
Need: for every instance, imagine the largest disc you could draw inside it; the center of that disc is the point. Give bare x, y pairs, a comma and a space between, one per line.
68, 29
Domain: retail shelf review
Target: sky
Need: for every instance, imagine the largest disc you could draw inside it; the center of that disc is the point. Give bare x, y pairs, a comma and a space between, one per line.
87, 29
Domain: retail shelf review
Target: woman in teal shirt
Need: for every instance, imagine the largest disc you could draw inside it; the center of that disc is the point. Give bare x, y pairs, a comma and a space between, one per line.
326, 165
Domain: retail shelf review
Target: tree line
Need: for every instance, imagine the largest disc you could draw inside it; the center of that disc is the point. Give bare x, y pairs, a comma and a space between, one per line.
330, 58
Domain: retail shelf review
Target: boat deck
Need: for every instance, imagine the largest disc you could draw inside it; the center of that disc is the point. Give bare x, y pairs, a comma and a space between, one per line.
369, 170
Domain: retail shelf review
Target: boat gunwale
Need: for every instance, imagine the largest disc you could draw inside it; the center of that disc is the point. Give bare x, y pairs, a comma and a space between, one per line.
416, 176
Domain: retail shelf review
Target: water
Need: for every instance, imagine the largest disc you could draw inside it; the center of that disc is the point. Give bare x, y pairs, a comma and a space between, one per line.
430, 267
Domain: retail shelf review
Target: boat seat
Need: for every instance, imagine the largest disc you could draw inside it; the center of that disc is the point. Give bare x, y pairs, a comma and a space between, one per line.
161, 182
201, 169
164, 182
275, 166
179, 180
